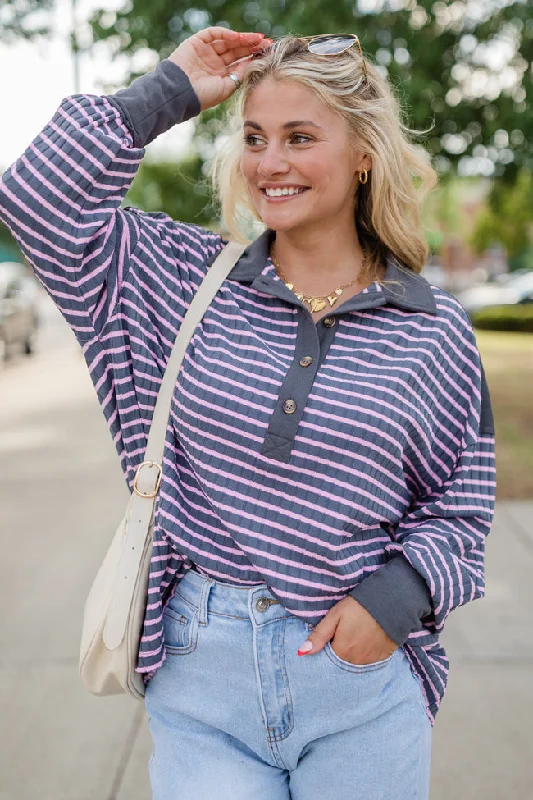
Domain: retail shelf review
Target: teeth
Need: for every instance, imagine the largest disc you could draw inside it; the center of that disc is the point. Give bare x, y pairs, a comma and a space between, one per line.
282, 192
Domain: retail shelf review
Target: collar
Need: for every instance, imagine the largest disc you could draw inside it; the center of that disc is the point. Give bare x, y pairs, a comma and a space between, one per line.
409, 291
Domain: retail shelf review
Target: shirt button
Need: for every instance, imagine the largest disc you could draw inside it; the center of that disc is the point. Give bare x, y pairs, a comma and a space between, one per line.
262, 604
329, 322
306, 361
289, 406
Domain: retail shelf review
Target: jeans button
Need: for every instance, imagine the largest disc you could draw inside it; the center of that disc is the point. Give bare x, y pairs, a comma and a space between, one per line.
262, 604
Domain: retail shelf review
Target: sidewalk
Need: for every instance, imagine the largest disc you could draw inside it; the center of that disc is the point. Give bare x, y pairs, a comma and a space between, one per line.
62, 496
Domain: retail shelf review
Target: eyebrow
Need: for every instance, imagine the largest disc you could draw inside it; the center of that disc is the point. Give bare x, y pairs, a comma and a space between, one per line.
301, 123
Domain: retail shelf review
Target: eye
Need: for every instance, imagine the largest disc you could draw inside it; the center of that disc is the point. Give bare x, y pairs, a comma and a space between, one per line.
252, 140
300, 138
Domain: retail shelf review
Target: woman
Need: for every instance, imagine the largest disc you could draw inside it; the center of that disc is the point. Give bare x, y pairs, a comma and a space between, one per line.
328, 474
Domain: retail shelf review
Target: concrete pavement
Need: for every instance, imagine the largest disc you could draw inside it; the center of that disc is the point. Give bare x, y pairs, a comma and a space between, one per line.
62, 495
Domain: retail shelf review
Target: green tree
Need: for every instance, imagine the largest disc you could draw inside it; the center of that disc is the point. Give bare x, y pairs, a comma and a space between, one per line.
508, 217
179, 188
8, 249
461, 67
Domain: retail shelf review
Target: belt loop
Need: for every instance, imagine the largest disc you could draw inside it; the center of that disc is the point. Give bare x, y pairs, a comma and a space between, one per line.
204, 599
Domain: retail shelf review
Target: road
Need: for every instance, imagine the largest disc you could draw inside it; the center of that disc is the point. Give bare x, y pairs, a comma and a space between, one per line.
62, 495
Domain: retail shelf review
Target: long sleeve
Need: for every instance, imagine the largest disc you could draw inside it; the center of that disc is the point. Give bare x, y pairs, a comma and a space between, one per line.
443, 538
61, 199
122, 278
436, 553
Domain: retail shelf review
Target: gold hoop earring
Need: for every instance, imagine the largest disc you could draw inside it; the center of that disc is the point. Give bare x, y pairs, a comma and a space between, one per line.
363, 176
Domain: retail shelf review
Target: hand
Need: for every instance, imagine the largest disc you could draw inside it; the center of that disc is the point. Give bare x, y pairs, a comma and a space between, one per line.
354, 634
210, 55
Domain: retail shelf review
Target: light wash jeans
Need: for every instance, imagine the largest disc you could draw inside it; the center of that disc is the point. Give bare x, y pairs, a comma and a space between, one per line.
236, 714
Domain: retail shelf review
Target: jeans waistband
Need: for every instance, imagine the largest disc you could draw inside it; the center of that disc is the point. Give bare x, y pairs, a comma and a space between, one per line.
206, 594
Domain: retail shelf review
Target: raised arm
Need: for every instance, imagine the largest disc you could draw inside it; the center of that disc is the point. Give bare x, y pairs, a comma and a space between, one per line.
61, 199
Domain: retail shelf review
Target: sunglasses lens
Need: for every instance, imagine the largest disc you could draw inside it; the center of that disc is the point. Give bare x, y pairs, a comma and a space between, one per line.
330, 45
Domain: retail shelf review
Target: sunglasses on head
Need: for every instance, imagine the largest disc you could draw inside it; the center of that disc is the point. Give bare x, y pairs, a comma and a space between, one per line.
333, 44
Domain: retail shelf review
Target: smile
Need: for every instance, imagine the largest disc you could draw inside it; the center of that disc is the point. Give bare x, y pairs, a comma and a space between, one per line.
289, 192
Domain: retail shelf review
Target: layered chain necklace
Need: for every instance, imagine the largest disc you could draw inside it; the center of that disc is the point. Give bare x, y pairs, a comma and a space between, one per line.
320, 302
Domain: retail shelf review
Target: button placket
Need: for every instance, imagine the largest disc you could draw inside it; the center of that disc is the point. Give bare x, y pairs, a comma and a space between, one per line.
294, 391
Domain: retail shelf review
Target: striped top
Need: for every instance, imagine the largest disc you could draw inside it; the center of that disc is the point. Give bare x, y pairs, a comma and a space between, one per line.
353, 455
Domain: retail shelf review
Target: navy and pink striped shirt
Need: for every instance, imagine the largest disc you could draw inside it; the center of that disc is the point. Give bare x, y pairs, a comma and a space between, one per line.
350, 456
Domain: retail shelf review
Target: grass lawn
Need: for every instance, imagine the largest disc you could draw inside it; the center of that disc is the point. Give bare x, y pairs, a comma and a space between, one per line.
508, 362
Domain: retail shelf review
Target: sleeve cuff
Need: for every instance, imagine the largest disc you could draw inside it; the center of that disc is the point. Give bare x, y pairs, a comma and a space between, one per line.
155, 102
397, 597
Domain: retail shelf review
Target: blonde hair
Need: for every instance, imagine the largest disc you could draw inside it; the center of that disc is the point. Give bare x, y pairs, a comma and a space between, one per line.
387, 207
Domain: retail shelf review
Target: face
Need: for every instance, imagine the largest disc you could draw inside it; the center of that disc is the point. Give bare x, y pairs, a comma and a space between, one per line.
298, 163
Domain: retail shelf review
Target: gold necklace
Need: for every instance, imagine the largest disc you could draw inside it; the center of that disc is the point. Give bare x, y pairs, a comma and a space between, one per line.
316, 303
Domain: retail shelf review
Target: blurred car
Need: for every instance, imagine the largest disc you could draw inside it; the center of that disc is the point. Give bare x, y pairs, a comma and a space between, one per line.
509, 277
19, 319
516, 289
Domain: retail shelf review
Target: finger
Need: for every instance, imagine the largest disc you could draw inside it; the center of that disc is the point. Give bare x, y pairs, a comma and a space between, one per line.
241, 66
230, 56
222, 46
210, 35
238, 68
320, 635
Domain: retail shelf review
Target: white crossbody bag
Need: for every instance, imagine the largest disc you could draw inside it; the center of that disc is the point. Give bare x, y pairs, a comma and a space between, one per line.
115, 608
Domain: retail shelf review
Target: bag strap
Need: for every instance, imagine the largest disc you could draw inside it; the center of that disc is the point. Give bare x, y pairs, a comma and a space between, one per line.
148, 476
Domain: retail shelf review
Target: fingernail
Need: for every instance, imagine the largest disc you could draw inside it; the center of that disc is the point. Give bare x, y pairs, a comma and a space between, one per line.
306, 647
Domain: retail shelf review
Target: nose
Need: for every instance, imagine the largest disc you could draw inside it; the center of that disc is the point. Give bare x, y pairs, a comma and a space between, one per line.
272, 162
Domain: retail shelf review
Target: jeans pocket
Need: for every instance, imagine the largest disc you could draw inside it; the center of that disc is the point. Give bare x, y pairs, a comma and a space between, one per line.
349, 667
180, 626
